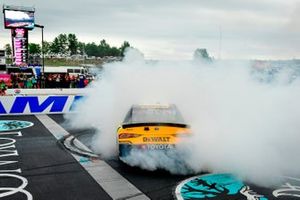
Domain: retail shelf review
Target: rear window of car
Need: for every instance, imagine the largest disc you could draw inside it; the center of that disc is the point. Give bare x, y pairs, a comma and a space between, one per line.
154, 114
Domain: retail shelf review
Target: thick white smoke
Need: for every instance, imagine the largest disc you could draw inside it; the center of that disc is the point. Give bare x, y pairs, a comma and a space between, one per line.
244, 120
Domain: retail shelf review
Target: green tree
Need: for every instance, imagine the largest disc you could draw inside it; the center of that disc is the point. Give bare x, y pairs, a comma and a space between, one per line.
123, 47
103, 48
63, 43
8, 49
72, 43
34, 48
59, 44
46, 47
81, 48
91, 49
54, 47
202, 55
114, 51
68, 43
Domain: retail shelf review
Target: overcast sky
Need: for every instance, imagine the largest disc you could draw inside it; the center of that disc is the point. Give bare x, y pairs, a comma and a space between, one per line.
173, 29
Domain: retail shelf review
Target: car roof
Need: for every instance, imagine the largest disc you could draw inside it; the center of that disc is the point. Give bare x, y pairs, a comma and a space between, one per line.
153, 106
150, 113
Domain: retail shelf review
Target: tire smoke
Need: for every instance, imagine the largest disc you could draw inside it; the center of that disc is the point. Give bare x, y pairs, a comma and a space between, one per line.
244, 119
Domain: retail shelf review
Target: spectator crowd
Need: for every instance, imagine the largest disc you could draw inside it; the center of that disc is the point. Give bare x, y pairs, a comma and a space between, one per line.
23, 80
66, 81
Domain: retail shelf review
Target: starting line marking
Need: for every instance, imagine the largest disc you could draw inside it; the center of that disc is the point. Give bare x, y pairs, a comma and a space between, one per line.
115, 185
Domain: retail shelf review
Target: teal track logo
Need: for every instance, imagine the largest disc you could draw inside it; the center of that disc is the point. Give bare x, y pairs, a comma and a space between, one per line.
10, 125
215, 186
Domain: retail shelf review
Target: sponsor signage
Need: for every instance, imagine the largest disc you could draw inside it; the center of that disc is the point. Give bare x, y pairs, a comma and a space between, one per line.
20, 46
18, 17
46, 104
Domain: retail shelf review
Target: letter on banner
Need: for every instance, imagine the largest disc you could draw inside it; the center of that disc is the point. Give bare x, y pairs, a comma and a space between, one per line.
2, 109
57, 102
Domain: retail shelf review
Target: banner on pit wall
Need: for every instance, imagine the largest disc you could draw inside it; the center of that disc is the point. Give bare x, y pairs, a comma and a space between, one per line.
43, 104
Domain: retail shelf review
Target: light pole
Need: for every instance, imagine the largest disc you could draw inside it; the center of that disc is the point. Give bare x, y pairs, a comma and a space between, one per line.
43, 58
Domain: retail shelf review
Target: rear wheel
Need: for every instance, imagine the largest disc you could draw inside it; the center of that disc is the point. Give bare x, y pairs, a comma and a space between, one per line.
124, 150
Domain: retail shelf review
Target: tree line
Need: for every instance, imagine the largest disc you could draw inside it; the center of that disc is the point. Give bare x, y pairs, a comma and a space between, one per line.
68, 44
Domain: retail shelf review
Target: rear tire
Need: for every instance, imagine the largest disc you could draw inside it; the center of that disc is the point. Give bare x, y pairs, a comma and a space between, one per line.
124, 150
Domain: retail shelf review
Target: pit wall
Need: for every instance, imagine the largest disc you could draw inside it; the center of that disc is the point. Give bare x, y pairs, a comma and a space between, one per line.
39, 101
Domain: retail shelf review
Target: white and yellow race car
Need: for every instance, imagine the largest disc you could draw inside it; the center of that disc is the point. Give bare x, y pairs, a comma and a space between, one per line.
151, 128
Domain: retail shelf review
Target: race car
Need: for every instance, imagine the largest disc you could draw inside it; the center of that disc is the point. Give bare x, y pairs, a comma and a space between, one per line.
154, 127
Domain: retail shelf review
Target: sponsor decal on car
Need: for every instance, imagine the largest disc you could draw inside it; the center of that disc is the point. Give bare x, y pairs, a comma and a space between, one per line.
156, 139
159, 146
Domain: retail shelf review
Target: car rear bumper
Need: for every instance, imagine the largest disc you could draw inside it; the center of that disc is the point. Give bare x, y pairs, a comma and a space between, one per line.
125, 149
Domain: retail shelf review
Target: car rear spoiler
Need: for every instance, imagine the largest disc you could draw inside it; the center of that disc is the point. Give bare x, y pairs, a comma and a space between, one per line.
155, 124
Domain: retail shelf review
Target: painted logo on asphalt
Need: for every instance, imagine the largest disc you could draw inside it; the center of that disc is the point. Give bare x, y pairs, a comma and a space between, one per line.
10, 125
216, 186
227, 186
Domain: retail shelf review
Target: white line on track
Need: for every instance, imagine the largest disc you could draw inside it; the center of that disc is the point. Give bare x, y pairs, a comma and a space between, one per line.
116, 186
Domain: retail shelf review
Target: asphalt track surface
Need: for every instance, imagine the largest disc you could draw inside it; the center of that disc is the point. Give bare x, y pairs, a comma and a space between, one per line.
156, 185
53, 173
